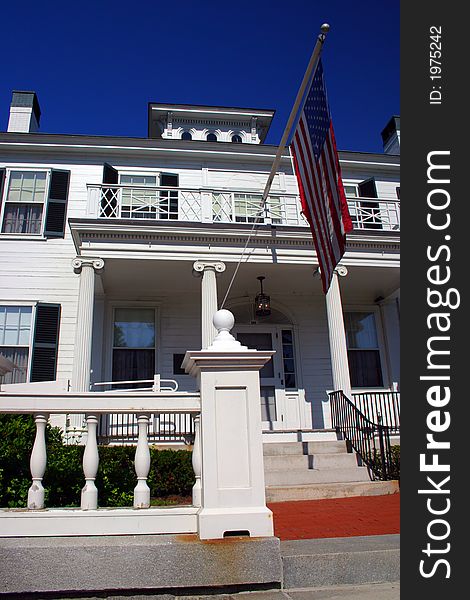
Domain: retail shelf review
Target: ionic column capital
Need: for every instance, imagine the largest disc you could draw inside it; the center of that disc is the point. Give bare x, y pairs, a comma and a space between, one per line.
201, 265
95, 263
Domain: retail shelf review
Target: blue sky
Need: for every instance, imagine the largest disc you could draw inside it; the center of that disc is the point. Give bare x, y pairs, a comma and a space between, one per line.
95, 65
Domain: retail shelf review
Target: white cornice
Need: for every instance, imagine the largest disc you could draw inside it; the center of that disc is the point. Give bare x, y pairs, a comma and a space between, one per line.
130, 240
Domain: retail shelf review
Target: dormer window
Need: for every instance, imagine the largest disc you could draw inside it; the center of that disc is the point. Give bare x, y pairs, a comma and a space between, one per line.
211, 137
236, 139
186, 136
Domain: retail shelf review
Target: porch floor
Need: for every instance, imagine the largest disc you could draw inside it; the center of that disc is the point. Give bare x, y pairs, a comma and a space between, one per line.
337, 517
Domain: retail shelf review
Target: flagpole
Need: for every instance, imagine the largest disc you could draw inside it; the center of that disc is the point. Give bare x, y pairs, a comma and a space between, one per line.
312, 65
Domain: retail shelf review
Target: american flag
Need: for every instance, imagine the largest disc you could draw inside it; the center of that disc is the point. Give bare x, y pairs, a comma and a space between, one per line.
319, 177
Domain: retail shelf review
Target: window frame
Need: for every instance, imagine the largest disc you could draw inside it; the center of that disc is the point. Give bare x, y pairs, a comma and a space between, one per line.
107, 361
375, 310
4, 200
33, 306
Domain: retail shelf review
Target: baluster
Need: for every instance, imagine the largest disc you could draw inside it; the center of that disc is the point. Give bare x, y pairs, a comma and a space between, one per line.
90, 465
142, 464
197, 463
38, 463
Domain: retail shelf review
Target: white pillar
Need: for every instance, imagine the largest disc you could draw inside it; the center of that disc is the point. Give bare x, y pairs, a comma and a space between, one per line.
86, 267
84, 328
337, 335
208, 297
233, 495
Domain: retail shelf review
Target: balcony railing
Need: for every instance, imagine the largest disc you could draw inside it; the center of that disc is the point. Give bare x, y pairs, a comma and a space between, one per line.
224, 206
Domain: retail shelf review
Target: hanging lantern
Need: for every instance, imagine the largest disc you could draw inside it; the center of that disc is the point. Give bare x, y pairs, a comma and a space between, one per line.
262, 302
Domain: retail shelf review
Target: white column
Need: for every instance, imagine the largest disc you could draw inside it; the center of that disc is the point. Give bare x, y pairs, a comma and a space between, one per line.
337, 335
86, 267
232, 494
208, 297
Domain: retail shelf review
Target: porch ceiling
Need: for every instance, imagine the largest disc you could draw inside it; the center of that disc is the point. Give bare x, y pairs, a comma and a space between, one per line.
148, 278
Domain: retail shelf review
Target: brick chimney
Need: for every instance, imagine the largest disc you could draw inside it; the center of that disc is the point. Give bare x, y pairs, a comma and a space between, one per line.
391, 136
24, 113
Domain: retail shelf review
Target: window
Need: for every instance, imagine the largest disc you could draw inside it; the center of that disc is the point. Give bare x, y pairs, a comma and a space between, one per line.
15, 337
248, 208
137, 202
288, 358
211, 137
24, 202
134, 338
363, 349
236, 139
141, 200
187, 136
34, 202
18, 344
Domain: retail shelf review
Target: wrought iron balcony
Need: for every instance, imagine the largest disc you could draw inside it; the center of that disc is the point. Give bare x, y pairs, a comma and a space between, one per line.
225, 206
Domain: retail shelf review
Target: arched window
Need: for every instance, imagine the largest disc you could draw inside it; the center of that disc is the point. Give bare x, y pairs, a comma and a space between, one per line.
236, 139
211, 137
186, 136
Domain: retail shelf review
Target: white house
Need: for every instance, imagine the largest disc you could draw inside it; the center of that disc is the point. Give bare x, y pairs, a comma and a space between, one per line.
116, 252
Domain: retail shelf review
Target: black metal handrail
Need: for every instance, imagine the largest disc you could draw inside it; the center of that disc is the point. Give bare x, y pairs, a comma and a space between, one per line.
385, 404
370, 440
164, 427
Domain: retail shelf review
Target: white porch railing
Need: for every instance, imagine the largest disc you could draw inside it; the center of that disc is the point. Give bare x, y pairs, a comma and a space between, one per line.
163, 427
229, 492
374, 213
95, 404
225, 206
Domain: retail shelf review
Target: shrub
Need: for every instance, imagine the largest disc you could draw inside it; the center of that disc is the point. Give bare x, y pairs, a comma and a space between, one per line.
393, 464
170, 473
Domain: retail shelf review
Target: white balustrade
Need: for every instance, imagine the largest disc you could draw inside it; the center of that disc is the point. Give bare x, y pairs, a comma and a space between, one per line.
197, 462
226, 206
142, 464
38, 463
91, 460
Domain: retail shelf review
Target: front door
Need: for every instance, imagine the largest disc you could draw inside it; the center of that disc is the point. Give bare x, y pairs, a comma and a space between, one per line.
271, 380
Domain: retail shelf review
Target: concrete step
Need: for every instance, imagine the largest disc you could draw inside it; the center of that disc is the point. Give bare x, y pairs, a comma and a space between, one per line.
328, 447
340, 561
286, 462
283, 448
304, 476
333, 461
320, 461
320, 491
299, 448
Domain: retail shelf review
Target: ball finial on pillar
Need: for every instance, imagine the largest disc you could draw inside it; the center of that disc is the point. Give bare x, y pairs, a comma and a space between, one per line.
224, 321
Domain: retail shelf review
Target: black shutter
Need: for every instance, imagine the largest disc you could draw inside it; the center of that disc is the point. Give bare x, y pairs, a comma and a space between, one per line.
46, 339
108, 204
57, 204
368, 189
2, 179
371, 212
169, 199
110, 175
